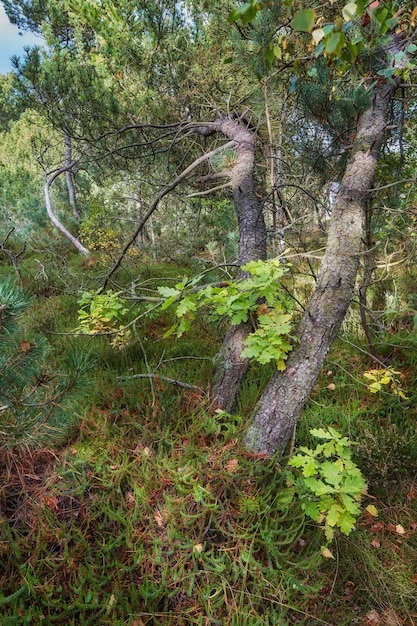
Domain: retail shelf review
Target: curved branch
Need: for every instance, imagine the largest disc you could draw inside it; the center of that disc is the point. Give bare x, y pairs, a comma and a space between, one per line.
166, 190
49, 208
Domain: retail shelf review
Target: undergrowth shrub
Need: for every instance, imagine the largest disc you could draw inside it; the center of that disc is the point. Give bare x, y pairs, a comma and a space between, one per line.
387, 453
38, 404
329, 484
381, 568
162, 524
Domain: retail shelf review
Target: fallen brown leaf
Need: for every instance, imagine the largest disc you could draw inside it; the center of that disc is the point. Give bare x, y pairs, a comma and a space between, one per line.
130, 499
372, 618
232, 465
378, 527
326, 553
412, 493
25, 346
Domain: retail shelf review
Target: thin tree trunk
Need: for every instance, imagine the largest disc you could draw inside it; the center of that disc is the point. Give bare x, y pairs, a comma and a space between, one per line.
69, 176
54, 219
231, 367
369, 268
278, 409
271, 165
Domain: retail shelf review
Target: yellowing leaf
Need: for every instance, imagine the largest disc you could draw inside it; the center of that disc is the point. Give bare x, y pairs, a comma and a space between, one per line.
317, 35
400, 393
371, 374
349, 11
277, 52
400, 529
372, 510
334, 43
326, 553
385, 380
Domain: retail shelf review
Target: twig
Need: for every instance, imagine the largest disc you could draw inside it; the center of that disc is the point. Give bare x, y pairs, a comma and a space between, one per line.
399, 182
198, 194
169, 187
179, 383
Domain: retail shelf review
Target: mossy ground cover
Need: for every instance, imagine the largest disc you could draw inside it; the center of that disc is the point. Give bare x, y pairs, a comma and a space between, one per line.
154, 513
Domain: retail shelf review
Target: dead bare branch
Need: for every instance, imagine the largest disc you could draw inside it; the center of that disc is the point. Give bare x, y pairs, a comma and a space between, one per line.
166, 190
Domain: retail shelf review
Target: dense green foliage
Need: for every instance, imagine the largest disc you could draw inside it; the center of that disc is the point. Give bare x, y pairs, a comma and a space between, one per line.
39, 405
127, 496
259, 297
155, 512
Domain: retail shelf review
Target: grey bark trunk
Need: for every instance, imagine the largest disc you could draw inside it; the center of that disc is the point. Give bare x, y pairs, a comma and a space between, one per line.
69, 176
54, 219
231, 368
278, 409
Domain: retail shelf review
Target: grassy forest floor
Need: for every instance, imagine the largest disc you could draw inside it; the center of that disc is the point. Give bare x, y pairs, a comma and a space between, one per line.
153, 512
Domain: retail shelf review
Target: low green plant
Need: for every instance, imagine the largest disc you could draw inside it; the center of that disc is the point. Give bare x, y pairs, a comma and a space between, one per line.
104, 313
259, 297
385, 380
39, 402
330, 485
97, 232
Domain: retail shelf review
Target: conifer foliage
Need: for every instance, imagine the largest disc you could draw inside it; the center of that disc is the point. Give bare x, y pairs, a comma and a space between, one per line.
39, 406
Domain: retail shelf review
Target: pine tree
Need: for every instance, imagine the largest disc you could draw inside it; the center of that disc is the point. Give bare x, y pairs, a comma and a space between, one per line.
39, 407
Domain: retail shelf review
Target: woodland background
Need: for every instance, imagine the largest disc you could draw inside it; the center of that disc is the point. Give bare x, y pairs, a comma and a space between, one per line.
208, 314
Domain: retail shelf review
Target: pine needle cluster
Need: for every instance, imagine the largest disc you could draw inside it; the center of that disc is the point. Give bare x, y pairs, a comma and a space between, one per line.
39, 406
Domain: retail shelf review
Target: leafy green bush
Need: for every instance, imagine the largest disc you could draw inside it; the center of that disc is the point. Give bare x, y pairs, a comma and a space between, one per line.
330, 485
104, 313
259, 297
97, 232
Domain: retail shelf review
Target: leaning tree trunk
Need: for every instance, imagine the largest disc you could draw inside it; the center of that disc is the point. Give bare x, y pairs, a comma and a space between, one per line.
231, 367
278, 409
49, 179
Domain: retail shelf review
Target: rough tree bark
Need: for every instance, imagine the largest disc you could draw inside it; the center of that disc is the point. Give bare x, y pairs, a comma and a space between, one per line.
231, 368
278, 409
